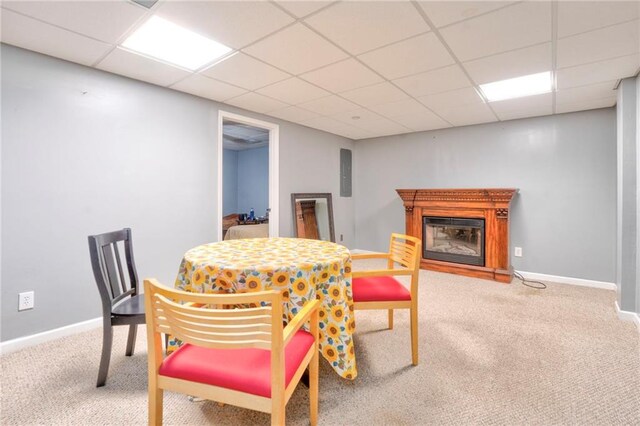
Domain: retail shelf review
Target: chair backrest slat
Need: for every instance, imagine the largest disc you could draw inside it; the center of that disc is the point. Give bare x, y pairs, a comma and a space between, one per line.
123, 283
112, 275
216, 328
197, 327
187, 334
200, 324
226, 321
405, 250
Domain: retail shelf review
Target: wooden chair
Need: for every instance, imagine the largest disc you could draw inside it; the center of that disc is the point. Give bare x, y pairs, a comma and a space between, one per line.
122, 304
377, 289
239, 356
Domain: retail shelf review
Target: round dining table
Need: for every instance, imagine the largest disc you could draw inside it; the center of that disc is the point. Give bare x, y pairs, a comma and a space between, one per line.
302, 269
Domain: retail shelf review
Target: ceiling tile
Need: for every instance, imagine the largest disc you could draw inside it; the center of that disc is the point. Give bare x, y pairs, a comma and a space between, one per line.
523, 24
329, 105
542, 101
444, 13
296, 49
303, 8
436, 81
232, 23
529, 106
208, 88
465, 115
371, 122
586, 105
421, 121
244, 71
341, 76
411, 114
331, 125
514, 115
103, 20
596, 72
592, 92
530, 60
364, 25
293, 91
404, 107
580, 16
377, 94
294, 114
256, 102
357, 117
606, 43
141, 68
417, 54
34, 35
452, 98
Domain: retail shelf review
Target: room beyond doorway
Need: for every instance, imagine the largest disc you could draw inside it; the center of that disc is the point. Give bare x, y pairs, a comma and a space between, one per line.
247, 177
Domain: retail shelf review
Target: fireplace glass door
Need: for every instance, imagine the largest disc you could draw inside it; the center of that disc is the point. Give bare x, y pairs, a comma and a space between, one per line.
452, 239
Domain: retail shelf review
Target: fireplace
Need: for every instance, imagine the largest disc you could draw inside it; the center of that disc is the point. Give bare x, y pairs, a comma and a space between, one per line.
463, 231
451, 239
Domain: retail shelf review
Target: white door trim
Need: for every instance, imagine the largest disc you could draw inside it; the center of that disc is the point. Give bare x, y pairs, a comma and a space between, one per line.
274, 170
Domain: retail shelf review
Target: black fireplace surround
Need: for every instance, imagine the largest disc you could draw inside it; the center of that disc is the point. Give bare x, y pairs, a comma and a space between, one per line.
450, 239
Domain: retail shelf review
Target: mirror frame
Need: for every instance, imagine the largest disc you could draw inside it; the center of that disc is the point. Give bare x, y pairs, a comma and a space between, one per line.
302, 195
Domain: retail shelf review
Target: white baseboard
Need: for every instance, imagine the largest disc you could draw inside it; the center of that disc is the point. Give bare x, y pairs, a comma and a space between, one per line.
46, 336
628, 316
568, 280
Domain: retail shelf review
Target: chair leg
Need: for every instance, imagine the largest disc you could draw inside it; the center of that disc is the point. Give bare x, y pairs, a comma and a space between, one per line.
107, 340
414, 335
390, 319
155, 406
131, 340
313, 389
277, 411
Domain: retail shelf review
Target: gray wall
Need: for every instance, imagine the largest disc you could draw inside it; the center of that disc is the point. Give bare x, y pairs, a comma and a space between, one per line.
637, 194
565, 167
627, 189
125, 153
314, 167
229, 181
253, 180
628, 221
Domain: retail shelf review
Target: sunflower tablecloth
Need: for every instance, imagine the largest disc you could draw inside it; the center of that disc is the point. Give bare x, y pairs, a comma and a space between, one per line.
302, 269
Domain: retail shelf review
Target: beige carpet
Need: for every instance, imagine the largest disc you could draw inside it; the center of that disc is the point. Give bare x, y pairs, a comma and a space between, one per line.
490, 354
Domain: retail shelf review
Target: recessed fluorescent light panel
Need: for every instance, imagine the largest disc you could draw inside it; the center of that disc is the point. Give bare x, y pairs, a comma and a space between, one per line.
528, 85
161, 39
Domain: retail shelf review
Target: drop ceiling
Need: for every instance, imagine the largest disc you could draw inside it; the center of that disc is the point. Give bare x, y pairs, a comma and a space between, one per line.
355, 68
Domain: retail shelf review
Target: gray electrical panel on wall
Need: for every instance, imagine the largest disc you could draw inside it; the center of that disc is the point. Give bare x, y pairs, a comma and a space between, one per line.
345, 172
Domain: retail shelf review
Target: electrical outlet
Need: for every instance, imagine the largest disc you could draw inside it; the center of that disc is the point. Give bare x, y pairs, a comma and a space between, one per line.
518, 252
26, 300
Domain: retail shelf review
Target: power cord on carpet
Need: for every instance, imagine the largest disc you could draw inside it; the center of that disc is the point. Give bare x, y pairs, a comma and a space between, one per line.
531, 283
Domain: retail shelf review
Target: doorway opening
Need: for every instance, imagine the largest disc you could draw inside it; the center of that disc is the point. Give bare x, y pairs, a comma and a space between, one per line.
247, 178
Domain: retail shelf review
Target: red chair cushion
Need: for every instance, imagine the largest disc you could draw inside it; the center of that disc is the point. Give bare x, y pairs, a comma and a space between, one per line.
244, 370
378, 289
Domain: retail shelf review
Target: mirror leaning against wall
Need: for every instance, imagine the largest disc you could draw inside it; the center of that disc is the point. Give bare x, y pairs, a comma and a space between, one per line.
313, 216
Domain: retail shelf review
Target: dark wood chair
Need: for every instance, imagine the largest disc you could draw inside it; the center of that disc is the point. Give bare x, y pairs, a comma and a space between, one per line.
122, 303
